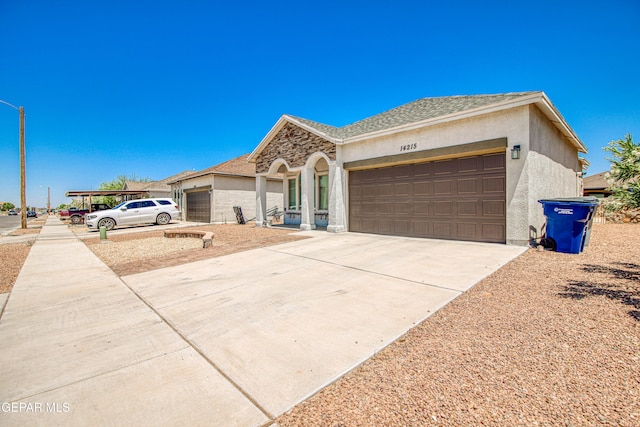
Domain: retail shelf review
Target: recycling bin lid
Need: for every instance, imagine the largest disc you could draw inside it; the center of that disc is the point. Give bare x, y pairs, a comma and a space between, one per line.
587, 200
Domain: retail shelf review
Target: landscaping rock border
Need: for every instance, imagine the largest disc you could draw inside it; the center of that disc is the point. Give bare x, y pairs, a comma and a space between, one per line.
631, 216
206, 236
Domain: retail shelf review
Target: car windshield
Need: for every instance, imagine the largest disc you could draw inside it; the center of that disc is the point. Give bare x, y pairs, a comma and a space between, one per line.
118, 206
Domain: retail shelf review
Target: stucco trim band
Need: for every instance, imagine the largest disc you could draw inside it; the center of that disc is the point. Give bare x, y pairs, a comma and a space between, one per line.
473, 148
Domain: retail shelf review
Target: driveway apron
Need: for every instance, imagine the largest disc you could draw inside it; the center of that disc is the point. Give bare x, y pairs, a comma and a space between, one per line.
282, 322
234, 340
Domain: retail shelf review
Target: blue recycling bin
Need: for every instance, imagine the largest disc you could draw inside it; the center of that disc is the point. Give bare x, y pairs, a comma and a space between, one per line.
569, 222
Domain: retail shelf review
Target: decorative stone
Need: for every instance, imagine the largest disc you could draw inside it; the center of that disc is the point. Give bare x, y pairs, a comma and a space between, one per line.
206, 236
294, 145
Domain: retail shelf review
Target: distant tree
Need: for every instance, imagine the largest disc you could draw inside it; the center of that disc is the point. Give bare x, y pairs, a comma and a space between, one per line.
62, 207
7, 206
118, 184
624, 178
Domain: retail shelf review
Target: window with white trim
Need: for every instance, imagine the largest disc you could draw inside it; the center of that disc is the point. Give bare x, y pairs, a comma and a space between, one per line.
322, 192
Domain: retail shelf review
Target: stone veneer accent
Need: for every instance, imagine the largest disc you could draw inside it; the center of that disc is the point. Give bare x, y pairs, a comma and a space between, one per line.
294, 145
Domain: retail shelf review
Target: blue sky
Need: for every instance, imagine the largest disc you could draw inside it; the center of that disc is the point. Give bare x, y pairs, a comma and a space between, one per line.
153, 88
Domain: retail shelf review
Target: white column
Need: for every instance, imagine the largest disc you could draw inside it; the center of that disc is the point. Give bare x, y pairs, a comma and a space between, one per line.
308, 212
337, 211
261, 200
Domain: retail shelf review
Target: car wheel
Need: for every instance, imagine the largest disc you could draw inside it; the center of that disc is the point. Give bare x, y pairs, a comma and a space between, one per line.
76, 219
107, 223
163, 219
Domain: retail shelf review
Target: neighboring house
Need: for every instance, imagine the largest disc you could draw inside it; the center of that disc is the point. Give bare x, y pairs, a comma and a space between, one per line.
155, 188
210, 194
457, 167
596, 185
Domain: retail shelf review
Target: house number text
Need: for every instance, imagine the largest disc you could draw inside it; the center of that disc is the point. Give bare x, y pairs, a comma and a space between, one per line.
408, 147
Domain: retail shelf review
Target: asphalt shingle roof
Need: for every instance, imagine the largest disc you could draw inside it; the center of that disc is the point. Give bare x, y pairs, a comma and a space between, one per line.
413, 112
239, 166
595, 182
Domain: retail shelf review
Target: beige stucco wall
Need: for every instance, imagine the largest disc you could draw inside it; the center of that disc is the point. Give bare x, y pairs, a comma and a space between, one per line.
230, 191
240, 191
552, 166
510, 124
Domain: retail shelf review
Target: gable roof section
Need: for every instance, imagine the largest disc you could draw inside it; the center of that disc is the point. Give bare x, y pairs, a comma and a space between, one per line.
595, 182
238, 166
135, 185
425, 112
162, 185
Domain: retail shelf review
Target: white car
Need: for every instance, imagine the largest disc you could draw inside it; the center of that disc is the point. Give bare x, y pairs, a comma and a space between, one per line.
141, 211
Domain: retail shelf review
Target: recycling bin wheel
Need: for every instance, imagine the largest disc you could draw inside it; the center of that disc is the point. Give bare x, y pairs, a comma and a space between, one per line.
548, 243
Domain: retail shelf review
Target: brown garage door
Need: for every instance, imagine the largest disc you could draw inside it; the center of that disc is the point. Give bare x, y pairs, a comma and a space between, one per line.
459, 199
199, 206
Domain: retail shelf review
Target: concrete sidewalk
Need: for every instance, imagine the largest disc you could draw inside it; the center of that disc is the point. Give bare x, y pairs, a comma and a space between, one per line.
79, 348
234, 340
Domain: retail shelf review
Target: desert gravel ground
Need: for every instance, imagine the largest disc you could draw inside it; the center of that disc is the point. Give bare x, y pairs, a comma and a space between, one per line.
13, 255
138, 252
549, 339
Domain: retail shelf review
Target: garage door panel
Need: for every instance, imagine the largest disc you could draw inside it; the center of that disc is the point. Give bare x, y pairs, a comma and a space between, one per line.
369, 225
421, 228
441, 188
402, 208
423, 188
402, 189
443, 207
494, 233
467, 231
443, 167
423, 170
462, 199
493, 184
385, 190
401, 227
384, 226
369, 191
368, 207
400, 172
492, 162
468, 186
469, 164
442, 230
199, 206
421, 208
493, 208
385, 208
468, 207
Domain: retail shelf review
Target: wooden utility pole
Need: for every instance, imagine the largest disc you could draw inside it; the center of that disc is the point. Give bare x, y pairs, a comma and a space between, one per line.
23, 174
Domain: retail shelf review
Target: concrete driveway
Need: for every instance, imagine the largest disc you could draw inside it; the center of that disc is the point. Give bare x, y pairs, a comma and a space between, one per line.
234, 341
282, 322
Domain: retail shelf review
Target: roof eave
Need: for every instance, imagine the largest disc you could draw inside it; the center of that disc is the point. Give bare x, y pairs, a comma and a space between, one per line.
200, 175
538, 98
552, 113
459, 115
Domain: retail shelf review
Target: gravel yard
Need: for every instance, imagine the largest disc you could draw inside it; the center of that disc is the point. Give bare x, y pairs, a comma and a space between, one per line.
13, 255
549, 339
138, 252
